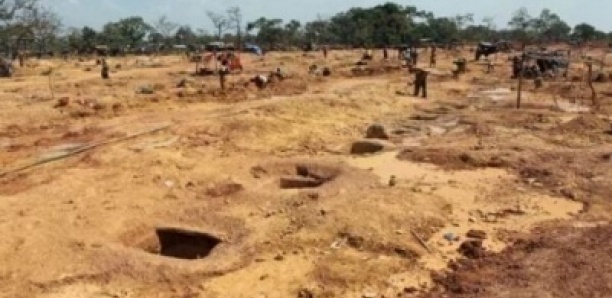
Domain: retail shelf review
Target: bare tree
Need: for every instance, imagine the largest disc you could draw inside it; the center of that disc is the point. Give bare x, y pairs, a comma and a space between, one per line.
42, 23
220, 22
463, 20
489, 23
165, 27
234, 16
11, 12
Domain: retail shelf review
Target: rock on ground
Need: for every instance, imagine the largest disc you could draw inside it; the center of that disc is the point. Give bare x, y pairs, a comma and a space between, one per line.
369, 146
377, 131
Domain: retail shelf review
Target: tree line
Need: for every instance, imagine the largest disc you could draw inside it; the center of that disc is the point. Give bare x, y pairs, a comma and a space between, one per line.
29, 22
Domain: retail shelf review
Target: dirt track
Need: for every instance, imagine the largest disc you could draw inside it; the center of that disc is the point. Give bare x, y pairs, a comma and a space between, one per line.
96, 224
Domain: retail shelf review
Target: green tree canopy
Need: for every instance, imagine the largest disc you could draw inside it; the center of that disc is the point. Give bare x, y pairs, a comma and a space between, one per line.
129, 31
586, 32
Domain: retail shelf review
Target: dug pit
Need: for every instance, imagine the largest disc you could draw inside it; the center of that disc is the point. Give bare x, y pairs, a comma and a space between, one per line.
181, 244
309, 176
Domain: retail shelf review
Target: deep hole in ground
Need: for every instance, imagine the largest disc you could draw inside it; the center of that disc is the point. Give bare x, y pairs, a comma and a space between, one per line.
182, 244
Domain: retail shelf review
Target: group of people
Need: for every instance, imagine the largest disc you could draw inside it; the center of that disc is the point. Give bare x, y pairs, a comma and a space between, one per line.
229, 61
410, 56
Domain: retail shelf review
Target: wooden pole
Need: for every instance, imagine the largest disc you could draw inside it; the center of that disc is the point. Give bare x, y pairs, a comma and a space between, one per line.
421, 241
520, 81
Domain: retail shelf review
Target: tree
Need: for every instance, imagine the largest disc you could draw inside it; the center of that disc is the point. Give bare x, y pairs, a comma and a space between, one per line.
129, 31
521, 24
156, 38
203, 36
90, 37
584, 32
42, 25
234, 17
483, 31
489, 23
292, 32
521, 19
270, 31
393, 24
74, 39
318, 31
10, 10
443, 29
164, 27
388, 24
462, 21
220, 22
12, 28
549, 26
185, 35
478, 33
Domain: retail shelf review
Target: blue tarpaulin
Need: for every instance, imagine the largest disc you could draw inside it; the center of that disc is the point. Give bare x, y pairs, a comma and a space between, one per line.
253, 49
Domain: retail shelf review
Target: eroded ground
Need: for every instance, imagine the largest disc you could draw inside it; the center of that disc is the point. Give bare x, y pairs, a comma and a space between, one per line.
192, 192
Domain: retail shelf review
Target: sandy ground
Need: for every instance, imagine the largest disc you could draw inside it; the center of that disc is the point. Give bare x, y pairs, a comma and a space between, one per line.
178, 193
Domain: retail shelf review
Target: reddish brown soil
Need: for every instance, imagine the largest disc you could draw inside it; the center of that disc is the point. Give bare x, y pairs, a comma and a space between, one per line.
559, 262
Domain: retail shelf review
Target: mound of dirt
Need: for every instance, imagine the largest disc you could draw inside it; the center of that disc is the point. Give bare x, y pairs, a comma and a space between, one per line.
456, 158
222, 189
242, 90
583, 123
481, 129
577, 174
372, 69
514, 119
551, 263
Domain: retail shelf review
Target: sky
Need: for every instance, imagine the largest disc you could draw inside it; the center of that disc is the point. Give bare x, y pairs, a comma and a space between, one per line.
95, 13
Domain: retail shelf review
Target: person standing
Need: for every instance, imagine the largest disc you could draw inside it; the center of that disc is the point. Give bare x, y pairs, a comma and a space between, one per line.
420, 82
432, 57
367, 55
21, 56
325, 52
105, 70
223, 72
408, 58
490, 66
414, 56
385, 53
